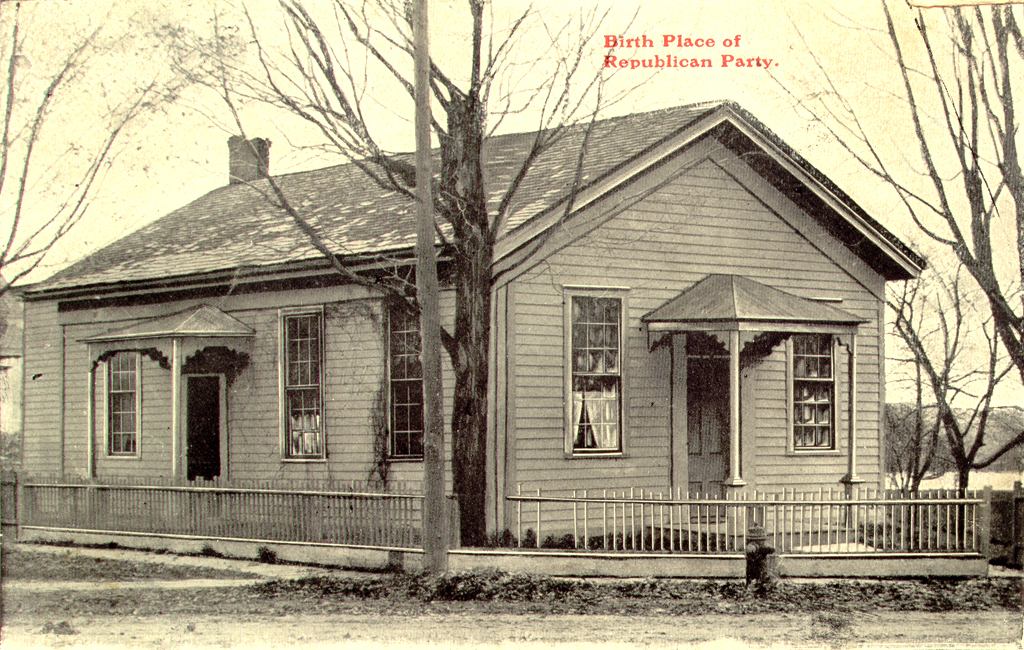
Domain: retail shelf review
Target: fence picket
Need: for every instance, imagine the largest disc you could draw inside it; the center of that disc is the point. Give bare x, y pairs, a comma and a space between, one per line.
857, 520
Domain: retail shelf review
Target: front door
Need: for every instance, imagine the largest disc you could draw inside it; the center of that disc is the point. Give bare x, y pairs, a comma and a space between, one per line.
707, 414
202, 423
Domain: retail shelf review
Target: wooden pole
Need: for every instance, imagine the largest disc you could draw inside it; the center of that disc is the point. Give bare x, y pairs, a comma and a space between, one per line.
90, 415
734, 479
435, 539
851, 477
175, 406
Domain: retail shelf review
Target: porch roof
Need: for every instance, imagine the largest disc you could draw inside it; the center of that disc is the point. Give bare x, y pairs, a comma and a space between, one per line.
734, 302
199, 321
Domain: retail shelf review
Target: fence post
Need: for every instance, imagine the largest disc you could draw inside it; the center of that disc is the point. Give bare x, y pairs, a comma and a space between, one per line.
1017, 522
19, 504
985, 523
455, 532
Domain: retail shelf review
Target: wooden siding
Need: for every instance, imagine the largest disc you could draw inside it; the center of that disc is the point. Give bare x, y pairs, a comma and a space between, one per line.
353, 374
702, 221
42, 428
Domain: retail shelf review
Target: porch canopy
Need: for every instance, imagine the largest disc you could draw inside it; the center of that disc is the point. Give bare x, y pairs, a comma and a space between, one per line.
171, 340
730, 304
201, 320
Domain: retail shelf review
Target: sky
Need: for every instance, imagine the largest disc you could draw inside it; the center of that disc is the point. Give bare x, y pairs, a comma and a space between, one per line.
179, 152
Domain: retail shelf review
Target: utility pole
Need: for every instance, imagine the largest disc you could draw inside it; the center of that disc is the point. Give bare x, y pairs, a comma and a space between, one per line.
435, 521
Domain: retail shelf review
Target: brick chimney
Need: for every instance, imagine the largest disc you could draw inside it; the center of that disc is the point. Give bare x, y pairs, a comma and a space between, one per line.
248, 160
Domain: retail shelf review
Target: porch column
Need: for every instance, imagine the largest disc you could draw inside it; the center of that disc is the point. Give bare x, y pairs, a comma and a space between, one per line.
734, 480
90, 415
851, 440
175, 404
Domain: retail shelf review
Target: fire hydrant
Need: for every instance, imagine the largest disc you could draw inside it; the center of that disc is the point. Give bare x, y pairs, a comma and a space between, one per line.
762, 563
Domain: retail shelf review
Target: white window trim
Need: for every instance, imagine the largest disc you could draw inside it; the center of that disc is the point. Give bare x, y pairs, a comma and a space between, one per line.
138, 409
387, 401
281, 389
791, 449
622, 294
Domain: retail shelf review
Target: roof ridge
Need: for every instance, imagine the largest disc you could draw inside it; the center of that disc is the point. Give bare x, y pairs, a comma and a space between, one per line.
232, 227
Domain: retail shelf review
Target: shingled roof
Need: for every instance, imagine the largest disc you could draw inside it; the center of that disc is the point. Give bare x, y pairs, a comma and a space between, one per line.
236, 227
735, 301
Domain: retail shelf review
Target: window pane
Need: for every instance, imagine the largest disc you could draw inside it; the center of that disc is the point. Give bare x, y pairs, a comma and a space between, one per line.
596, 380
122, 419
302, 390
406, 380
813, 392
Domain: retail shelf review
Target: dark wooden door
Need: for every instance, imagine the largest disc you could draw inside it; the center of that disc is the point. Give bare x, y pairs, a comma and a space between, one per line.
707, 422
203, 426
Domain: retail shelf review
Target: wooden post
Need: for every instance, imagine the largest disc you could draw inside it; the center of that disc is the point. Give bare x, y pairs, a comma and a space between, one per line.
1017, 522
435, 539
19, 504
851, 466
175, 405
62, 403
985, 522
734, 480
90, 414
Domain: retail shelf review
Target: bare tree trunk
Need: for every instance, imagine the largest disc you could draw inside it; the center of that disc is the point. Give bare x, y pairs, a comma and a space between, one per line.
963, 475
469, 410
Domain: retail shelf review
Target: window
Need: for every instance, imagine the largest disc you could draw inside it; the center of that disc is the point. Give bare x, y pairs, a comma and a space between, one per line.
813, 393
406, 386
123, 404
303, 380
596, 378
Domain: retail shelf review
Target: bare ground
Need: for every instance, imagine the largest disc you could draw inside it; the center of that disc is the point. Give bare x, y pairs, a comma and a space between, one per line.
470, 629
67, 599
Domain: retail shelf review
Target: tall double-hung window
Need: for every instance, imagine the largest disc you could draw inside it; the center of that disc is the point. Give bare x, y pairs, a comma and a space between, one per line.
405, 380
123, 402
302, 374
595, 360
814, 390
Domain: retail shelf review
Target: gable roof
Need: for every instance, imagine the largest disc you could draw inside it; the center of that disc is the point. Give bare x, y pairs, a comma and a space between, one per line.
235, 228
734, 301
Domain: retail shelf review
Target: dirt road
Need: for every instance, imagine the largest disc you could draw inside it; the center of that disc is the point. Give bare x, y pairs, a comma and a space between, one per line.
888, 629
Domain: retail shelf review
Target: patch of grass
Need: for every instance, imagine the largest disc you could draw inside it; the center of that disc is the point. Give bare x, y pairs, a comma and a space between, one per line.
209, 551
266, 555
16, 564
682, 596
830, 625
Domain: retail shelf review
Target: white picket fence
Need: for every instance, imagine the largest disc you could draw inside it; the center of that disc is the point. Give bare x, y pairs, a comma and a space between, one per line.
860, 521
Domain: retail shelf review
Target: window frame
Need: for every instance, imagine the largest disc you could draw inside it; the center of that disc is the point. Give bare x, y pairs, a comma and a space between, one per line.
392, 456
108, 410
283, 387
791, 380
569, 292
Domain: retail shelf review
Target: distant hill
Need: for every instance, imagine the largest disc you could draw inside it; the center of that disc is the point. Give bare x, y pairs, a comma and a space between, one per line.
1004, 423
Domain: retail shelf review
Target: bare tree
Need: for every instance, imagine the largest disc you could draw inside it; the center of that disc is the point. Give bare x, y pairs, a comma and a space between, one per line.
938, 325
912, 449
51, 86
957, 74
327, 76
960, 182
